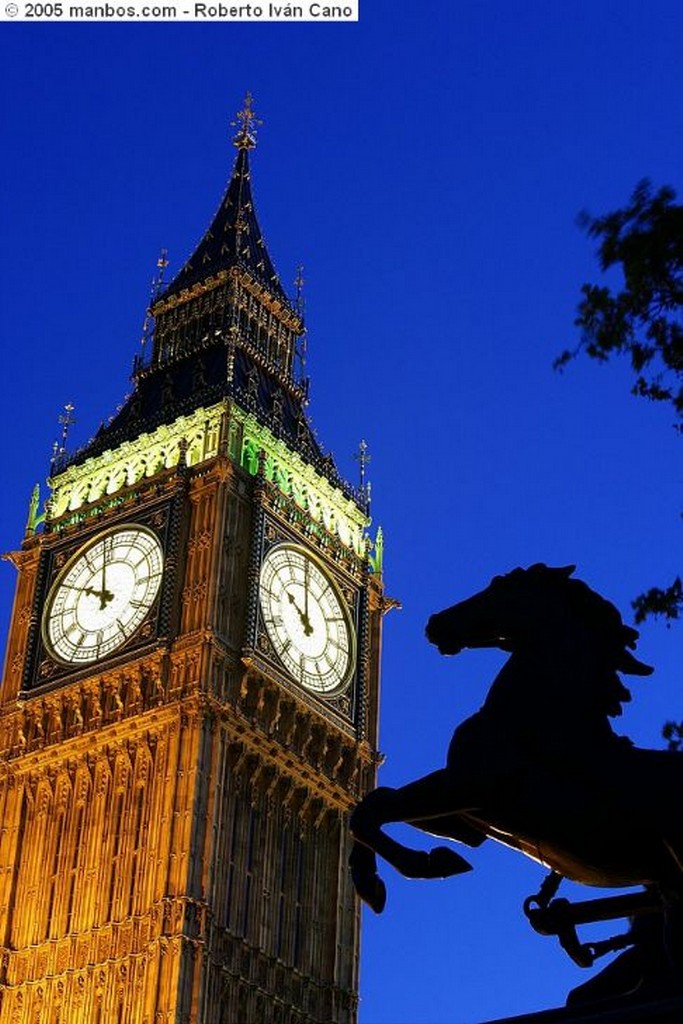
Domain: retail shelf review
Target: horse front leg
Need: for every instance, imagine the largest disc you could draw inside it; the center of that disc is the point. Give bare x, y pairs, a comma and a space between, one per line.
366, 881
429, 798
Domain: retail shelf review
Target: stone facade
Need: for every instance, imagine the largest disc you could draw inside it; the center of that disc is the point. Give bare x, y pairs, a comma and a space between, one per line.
174, 843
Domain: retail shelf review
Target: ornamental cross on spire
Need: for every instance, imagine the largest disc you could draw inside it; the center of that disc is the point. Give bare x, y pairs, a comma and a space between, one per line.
66, 420
363, 456
299, 285
158, 281
247, 124
155, 291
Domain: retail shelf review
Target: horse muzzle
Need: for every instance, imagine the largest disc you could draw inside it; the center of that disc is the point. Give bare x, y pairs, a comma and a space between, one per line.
436, 635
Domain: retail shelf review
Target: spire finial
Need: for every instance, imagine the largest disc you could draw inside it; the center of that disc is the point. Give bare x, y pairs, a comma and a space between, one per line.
301, 344
59, 447
363, 456
66, 420
155, 290
299, 285
158, 280
247, 124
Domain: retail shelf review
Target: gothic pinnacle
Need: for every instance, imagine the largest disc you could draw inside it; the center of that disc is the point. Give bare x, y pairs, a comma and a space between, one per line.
247, 124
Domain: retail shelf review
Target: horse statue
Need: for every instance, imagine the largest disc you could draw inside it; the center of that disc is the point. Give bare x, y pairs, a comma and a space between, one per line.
540, 769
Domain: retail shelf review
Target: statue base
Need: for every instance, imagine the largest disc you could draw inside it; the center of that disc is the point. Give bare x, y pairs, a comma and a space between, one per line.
660, 1011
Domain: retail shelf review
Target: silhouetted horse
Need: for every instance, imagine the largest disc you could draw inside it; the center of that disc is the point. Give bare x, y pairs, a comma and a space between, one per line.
539, 768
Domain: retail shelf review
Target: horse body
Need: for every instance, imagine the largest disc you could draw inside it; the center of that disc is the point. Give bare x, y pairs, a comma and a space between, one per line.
594, 808
601, 821
539, 767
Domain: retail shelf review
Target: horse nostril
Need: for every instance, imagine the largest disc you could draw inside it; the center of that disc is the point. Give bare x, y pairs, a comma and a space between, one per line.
430, 630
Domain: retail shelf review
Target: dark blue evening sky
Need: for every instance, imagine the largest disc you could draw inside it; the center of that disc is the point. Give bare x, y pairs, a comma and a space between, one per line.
427, 166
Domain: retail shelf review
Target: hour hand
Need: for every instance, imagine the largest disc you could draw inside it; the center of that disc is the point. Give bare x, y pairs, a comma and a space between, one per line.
104, 595
305, 621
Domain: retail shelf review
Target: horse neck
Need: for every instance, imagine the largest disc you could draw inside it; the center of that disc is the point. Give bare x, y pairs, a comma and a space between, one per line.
536, 689
520, 681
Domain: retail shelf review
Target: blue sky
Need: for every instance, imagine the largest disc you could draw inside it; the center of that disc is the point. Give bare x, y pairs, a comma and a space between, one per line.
427, 166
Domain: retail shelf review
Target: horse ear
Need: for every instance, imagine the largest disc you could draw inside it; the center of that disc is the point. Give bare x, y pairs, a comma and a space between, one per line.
562, 570
630, 636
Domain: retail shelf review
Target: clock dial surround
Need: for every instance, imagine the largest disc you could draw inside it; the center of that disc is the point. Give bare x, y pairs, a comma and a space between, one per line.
307, 620
103, 595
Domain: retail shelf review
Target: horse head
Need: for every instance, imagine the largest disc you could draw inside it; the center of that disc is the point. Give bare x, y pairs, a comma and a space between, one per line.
528, 607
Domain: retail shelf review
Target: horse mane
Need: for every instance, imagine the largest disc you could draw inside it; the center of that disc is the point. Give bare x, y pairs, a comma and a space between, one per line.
599, 615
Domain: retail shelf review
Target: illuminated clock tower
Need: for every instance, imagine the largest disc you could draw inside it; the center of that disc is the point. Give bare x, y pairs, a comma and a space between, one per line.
189, 704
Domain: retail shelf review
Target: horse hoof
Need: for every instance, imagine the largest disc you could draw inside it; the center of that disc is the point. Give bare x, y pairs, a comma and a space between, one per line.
437, 863
371, 890
444, 862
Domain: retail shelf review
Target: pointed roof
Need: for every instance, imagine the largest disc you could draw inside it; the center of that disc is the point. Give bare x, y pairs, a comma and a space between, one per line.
229, 360
234, 238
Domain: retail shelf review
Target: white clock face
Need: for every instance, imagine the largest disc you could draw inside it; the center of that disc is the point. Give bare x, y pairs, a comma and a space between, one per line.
103, 595
306, 620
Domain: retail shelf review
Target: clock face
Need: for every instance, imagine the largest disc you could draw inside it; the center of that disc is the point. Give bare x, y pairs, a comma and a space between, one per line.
306, 620
103, 595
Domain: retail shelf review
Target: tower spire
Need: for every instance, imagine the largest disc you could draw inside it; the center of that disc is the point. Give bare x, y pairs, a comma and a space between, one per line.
234, 237
247, 124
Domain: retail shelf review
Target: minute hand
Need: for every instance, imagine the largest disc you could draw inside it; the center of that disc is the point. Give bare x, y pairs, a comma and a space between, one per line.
306, 582
105, 596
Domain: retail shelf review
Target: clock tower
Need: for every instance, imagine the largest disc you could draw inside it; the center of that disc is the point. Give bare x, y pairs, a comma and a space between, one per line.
189, 703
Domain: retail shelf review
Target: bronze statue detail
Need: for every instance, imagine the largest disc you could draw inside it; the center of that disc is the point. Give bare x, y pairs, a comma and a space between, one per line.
540, 769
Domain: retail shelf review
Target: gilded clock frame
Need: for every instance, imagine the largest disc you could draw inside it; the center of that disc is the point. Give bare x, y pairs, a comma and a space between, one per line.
345, 705
79, 553
316, 560
163, 518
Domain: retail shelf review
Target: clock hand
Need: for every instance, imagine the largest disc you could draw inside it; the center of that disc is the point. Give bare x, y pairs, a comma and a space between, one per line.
87, 590
305, 621
306, 572
104, 593
292, 600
